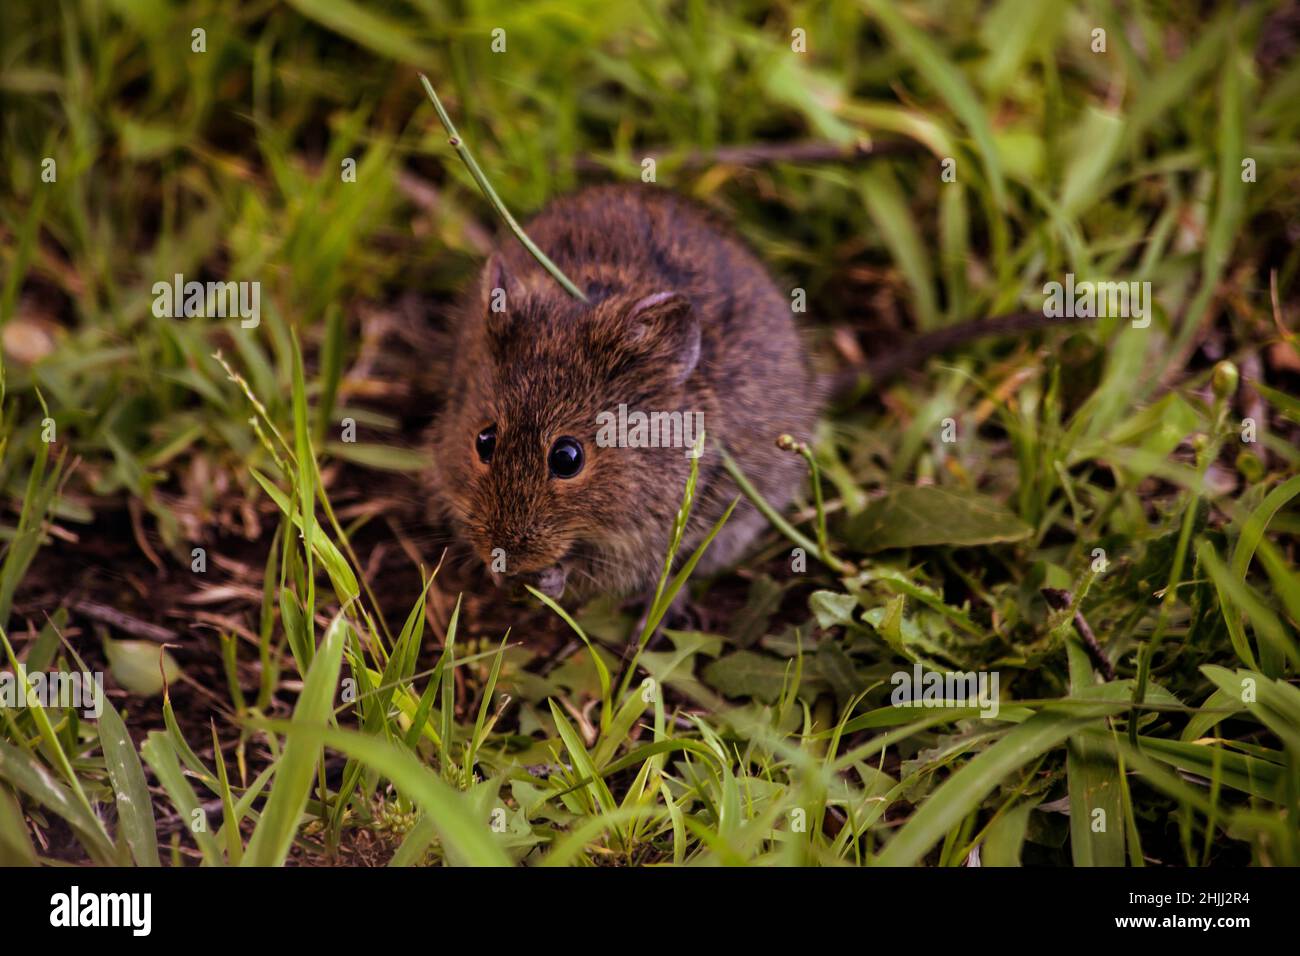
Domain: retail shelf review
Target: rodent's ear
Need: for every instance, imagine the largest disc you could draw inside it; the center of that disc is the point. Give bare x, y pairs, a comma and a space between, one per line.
665, 324
499, 288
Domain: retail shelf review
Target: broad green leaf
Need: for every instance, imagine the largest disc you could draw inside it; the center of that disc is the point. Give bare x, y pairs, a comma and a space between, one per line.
832, 608
751, 674
919, 516
581, 760
142, 668
1218, 707
1287, 406
751, 622
1238, 597
1256, 523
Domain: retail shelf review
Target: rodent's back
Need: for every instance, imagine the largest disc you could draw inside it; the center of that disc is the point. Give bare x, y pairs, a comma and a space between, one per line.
751, 381
751, 349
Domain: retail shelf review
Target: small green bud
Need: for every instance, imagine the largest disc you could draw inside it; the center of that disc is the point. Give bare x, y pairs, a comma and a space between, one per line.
1249, 466
787, 442
1224, 380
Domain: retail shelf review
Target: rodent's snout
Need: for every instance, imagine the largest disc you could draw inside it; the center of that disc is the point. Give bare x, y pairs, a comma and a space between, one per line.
522, 556
549, 578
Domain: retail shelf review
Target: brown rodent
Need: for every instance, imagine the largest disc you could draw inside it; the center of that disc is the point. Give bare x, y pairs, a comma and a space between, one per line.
681, 318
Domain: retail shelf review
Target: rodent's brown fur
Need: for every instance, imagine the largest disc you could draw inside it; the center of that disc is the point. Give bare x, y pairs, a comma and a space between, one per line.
548, 365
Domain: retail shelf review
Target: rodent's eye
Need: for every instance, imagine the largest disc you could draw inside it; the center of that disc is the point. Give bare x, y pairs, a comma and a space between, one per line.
565, 459
485, 443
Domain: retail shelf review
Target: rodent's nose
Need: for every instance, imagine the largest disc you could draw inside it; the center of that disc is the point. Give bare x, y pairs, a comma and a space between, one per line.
508, 553
519, 553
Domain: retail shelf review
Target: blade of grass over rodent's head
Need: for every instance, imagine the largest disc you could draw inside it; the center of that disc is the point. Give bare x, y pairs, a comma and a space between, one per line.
490, 194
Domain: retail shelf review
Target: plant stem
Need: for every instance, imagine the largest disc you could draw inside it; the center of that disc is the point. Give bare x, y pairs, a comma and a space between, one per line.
771, 514
787, 443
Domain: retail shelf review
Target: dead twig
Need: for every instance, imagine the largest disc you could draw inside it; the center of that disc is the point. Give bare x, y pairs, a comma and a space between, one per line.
125, 622
760, 154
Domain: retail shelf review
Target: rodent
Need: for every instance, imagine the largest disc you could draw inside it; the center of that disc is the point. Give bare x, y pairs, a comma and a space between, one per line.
681, 317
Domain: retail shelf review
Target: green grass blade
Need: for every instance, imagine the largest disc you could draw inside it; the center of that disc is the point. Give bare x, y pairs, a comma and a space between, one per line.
160, 754
25, 773
130, 790
468, 840
269, 845
1096, 810
963, 793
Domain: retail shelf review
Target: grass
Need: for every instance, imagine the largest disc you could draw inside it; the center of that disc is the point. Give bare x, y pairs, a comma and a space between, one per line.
341, 690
